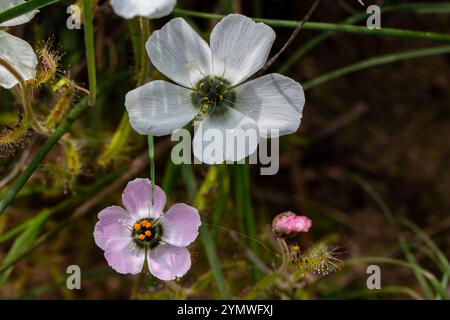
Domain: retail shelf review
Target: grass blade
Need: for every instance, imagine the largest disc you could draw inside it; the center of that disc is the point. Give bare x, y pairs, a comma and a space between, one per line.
401, 240
376, 61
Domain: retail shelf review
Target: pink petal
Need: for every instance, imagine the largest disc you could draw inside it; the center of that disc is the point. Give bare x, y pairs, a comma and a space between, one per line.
124, 256
136, 199
289, 222
112, 224
167, 262
180, 225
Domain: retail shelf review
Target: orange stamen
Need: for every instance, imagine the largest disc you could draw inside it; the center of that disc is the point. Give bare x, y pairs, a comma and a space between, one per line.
148, 233
137, 226
141, 237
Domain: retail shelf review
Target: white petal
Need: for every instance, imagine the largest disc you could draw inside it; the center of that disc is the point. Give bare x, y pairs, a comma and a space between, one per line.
159, 108
20, 55
151, 9
180, 224
274, 102
240, 47
136, 198
8, 4
124, 256
112, 224
180, 53
230, 136
168, 262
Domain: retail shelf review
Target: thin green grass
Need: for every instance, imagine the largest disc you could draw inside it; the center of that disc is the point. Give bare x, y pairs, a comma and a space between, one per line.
24, 8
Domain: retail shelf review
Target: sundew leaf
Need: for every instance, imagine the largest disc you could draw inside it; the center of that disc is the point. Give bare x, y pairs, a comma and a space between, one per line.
23, 242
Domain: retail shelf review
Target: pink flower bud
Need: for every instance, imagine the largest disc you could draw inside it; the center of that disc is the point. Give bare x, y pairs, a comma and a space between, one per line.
287, 223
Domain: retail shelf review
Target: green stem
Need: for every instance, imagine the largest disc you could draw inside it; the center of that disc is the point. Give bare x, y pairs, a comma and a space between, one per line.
323, 26
151, 156
88, 10
145, 33
42, 153
376, 61
135, 35
24, 8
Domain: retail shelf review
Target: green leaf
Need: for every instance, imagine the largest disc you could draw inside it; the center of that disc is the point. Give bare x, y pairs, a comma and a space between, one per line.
23, 242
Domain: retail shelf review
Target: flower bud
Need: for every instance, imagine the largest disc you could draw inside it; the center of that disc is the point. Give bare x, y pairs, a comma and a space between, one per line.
288, 223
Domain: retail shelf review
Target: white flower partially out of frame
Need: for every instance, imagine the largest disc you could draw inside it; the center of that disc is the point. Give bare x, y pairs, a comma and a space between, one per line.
17, 52
210, 86
152, 9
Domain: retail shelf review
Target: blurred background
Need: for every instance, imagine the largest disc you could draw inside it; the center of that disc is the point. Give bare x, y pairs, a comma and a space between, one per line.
369, 165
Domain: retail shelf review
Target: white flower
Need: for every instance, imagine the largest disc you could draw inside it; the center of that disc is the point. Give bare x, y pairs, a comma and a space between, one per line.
151, 9
210, 86
17, 52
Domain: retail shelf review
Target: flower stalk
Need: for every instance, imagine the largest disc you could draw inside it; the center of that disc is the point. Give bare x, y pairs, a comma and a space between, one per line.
88, 10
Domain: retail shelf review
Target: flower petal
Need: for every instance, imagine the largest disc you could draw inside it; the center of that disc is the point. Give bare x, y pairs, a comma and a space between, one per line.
167, 262
8, 4
20, 55
151, 9
159, 108
273, 101
230, 136
240, 47
136, 199
124, 256
180, 224
112, 224
180, 53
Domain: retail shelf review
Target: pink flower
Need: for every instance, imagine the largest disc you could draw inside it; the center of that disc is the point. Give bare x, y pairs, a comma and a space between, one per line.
288, 222
142, 231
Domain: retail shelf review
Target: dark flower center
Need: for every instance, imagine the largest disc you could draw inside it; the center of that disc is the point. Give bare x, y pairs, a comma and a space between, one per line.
212, 95
147, 233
